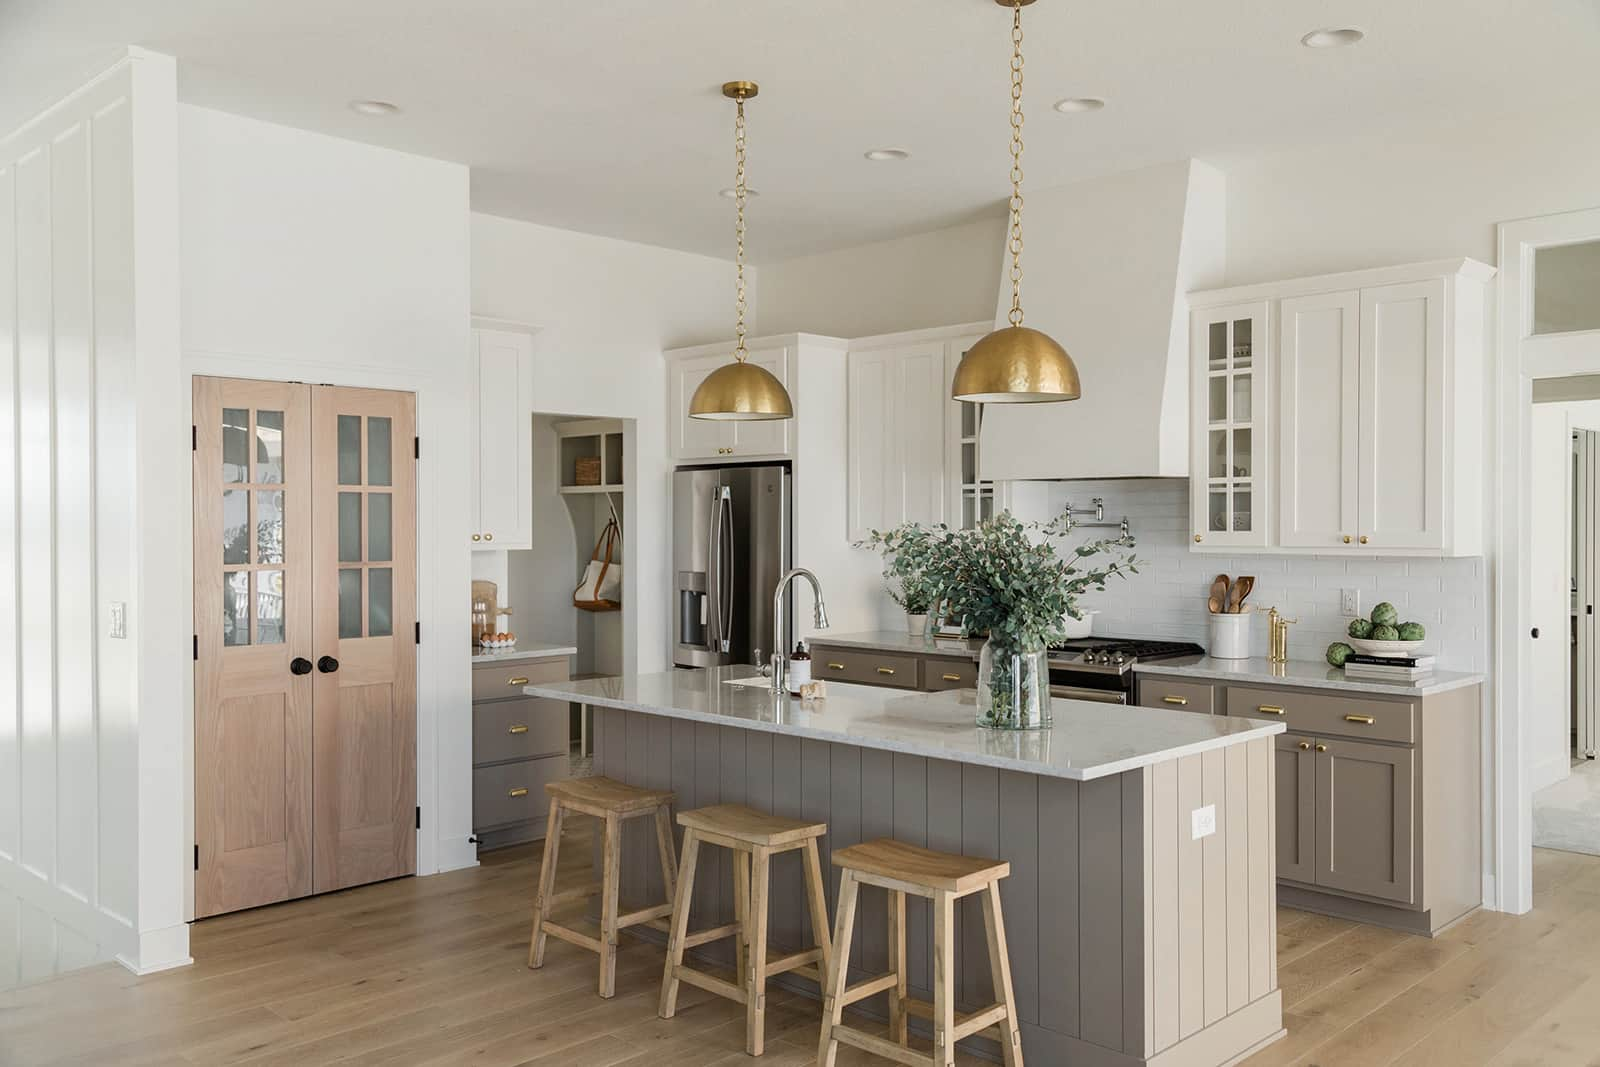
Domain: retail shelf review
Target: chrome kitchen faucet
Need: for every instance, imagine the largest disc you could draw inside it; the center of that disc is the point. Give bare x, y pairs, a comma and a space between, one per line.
780, 658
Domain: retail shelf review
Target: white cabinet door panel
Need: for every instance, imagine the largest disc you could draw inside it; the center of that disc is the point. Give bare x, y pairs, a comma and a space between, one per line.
871, 445
768, 437
1231, 359
1319, 422
696, 438
921, 400
502, 412
1402, 435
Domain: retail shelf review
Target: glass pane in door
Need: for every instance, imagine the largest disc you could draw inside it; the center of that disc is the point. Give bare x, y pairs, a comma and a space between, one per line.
349, 527
269, 607
1241, 509
349, 448
349, 602
1217, 407
269, 447
235, 445
1566, 279
1242, 349
1217, 510
380, 527
235, 526
269, 525
1241, 454
1217, 344
380, 602
1217, 451
379, 457
235, 608
1242, 411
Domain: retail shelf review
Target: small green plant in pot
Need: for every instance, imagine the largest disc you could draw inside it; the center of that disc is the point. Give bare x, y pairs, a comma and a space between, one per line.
908, 569
1008, 580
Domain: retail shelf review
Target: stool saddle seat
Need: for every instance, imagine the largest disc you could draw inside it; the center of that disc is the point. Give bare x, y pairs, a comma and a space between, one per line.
921, 867
601, 795
752, 827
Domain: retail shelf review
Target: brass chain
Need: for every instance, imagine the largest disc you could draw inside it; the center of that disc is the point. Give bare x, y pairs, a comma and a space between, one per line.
1016, 164
739, 352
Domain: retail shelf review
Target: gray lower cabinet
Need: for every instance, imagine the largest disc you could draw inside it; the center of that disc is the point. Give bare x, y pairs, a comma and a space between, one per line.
1296, 820
1365, 818
519, 744
892, 670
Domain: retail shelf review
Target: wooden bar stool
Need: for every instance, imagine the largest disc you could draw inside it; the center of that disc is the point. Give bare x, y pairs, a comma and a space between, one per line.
754, 839
944, 879
614, 803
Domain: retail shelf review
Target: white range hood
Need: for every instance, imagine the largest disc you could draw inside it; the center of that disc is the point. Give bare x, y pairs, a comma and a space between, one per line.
1106, 267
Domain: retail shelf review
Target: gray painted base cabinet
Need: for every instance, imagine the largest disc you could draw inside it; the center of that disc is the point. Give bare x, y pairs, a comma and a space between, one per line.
1377, 798
519, 743
1131, 941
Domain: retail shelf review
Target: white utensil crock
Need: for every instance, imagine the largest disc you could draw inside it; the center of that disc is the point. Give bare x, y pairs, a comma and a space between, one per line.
1230, 636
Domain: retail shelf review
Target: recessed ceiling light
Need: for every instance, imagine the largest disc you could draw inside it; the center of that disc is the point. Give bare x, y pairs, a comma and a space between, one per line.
373, 107
883, 155
1074, 104
1332, 37
733, 194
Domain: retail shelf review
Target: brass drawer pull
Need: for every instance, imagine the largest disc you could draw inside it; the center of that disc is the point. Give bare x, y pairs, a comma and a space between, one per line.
1270, 709
517, 681
1180, 701
1366, 720
952, 677
885, 670
1304, 746
836, 666
1322, 748
518, 728
519, 791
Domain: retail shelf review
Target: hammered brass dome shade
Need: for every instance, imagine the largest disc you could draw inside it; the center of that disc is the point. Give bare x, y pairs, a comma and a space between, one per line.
741, 392
1015, 364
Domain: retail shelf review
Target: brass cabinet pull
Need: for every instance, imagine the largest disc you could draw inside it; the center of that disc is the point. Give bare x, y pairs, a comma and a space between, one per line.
836, 666
952, 677
1180, 701
1322, 748
518, 728
1270, 709
1363, 538
1197, 539
517, 681
1367, 720
885, 670
519, 791
1304, 746
477, 537
488, 537
1347, 539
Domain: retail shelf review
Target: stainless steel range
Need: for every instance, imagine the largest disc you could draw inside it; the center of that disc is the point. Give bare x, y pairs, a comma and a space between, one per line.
1101, 668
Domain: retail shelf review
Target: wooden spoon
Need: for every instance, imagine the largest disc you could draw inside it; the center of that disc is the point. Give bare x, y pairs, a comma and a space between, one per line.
1219, 593
1241, 589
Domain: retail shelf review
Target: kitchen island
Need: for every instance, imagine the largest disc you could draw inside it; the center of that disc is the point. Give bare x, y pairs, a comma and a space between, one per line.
1141, 908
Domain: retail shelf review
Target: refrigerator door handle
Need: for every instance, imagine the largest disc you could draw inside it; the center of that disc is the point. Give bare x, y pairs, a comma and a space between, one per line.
725, 567
714, 573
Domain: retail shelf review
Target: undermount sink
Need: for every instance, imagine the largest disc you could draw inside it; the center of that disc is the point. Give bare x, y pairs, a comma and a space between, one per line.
756, 682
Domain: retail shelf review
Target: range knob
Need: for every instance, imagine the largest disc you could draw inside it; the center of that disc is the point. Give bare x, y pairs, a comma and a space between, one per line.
1118, 658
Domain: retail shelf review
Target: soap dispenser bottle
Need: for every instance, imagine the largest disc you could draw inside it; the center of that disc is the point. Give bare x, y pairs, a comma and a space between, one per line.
799, 668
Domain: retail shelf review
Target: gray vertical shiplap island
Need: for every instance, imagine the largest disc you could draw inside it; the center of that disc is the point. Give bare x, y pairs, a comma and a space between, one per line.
1132, 939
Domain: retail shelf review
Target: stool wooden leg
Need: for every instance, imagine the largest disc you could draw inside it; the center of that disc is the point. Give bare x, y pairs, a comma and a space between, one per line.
741, 915
610, 884
944, 979
547, 885
680, 924
668, 854
1000, 969
817, 898
755, 1004
834, 980
897, 964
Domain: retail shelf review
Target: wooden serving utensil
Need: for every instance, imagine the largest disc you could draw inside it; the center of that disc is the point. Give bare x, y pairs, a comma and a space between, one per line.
1241, 589
1219, 594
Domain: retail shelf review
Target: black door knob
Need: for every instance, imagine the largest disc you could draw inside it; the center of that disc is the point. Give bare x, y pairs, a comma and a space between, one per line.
327, 664
1535, 633
299, 665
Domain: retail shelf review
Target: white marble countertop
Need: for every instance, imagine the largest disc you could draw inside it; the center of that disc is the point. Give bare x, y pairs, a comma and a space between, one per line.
1313, 674
900, 641
1089, 739
525, 650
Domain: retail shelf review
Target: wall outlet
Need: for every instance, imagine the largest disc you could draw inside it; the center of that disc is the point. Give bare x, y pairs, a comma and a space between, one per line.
119, 619
1203, 821
1350, 603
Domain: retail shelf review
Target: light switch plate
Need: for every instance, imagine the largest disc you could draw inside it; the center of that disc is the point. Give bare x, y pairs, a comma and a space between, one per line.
1350, 603
119, 619
1203, 821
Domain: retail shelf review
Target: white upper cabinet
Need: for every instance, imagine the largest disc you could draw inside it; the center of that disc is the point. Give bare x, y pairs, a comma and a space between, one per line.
1377, 413
697, 440
1228, 475
502, 413
896, 437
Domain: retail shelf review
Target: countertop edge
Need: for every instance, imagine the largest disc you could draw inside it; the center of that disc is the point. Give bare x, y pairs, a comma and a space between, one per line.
509, 655
913, 748
1425, 687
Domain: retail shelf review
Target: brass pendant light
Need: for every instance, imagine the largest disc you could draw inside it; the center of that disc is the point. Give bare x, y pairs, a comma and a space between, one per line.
1015, 365
740, 391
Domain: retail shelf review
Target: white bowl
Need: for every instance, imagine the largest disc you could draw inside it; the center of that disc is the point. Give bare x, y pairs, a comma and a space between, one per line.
1369, 647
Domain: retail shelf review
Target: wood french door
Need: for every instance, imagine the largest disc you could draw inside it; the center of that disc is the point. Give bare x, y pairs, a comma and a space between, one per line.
305, 609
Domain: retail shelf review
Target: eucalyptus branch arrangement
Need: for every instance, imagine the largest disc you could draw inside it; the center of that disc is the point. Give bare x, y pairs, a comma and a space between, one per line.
909, 566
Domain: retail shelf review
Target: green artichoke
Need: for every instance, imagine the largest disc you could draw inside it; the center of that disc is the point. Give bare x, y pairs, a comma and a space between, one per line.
1385, 615
1385, 633
1412, 631
1360, 629
1338, 652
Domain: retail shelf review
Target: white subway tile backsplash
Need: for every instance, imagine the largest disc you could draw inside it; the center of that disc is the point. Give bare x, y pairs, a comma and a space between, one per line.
1167, 598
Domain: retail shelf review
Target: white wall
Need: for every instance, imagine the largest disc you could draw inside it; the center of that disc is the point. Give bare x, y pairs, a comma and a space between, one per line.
92, 805
606, 310
315, 259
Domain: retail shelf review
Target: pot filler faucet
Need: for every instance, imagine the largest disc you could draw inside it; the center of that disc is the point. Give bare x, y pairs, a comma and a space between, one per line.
780, 658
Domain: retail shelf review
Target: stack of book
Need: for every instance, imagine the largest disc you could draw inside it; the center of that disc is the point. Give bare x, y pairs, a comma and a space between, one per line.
1387, 668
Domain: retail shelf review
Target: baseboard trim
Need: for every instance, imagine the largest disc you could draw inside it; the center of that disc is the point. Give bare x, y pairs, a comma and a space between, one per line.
159, 950
1365, 911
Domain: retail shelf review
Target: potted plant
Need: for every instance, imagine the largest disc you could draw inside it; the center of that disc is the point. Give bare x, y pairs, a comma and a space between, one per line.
1007, 579
908, 570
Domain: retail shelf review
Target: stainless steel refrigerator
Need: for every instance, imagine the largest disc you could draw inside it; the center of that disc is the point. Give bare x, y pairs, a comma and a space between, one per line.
731, 542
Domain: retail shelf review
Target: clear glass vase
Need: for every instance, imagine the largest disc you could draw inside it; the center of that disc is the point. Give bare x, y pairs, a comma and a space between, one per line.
1013, 686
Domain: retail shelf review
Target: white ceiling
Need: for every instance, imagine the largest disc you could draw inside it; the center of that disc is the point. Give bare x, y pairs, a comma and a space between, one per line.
605, 116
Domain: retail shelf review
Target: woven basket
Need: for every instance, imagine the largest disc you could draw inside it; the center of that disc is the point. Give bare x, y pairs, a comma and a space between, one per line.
587, 471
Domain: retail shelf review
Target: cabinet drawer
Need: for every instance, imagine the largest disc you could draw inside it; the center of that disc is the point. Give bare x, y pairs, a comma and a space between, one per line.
1176, 696
507, 679
514, 792
1327, 713
517, 729
939, 673
865, 667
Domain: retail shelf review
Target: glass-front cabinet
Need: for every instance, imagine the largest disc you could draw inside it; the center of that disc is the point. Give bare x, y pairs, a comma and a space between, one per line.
1231, 357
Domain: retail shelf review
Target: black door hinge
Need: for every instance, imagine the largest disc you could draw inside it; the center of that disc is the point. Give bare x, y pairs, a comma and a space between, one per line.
197, 648
416, 448
419, 633
419, 817
194, 438
197, 857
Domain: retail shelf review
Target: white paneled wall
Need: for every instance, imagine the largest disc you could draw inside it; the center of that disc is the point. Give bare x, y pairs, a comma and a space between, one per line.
1168, 597
72, 741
